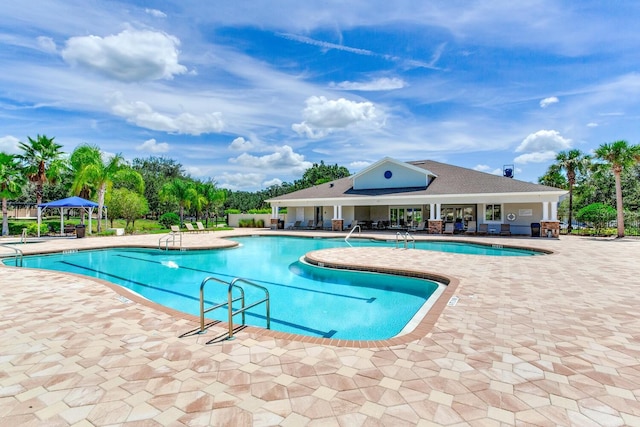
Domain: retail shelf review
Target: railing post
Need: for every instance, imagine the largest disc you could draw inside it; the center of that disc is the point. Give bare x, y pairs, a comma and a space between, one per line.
230, 309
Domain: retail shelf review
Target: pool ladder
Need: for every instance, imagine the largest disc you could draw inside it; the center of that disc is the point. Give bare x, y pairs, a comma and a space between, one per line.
17, 255
406, 237
171, 237
230, 300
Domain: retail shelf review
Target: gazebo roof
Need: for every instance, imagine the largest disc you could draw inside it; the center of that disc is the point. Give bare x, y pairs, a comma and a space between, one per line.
69, 202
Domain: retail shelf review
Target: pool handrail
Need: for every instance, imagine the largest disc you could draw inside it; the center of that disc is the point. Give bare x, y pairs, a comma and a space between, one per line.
231, 300
406, 237
18, 254
346, 239
170, 237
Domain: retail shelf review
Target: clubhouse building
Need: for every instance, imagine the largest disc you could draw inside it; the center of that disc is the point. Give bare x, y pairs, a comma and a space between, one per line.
424, 196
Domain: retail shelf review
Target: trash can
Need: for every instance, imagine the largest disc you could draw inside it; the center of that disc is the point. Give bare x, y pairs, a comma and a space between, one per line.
535, 229
80, 231
281, 224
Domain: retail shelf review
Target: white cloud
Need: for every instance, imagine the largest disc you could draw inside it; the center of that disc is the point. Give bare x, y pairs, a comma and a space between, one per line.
544, 140
537, 157
592, 125
482, 168
238, 181
283, 158
156, 13
141, 114
241, 144
359, 165
47, 44
548, 101
384, 83
269, 183
9, 145
129, 56
151, 146
322, 116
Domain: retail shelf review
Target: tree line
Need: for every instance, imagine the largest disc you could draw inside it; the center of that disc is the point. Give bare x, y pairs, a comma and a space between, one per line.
152, 186
601, 178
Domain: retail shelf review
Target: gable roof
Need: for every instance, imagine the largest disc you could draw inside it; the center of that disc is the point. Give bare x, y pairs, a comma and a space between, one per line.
450, 180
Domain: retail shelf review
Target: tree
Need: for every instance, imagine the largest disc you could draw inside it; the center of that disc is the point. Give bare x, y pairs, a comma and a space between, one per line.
42, 160
94, 174
597, 214
182, 191
321, 173
571, 162
619, 155
157, 171
128, 205
10, 185
213, 197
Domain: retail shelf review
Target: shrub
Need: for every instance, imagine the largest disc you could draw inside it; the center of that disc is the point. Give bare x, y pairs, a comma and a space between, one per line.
247, 222
32, 229
260, 223
597, 214
232, 211
169, 219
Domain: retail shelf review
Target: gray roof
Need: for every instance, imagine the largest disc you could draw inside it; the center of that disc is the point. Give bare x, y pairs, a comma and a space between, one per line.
450, 180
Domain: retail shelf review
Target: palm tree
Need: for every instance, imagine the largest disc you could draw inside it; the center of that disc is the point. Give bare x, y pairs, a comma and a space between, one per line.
619, 155
571, 162
42, 161
10, 185
182, 191
93, 174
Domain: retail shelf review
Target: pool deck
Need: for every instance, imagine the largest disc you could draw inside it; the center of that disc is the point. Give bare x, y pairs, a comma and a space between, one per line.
544, 340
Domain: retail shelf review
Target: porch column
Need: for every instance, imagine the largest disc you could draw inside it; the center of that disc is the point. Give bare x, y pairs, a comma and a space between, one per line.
435, 219
554, 211
274, 217
545, 211
337, 221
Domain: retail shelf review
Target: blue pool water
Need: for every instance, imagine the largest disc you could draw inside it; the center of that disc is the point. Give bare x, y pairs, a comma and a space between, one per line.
305, 300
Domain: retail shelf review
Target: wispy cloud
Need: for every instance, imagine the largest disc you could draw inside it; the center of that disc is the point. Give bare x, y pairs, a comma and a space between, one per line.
383, 83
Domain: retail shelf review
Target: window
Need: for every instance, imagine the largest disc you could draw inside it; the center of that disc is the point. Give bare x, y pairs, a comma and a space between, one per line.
493, 213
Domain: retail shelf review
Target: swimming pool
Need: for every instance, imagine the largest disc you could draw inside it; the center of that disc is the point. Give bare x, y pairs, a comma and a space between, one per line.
305, 300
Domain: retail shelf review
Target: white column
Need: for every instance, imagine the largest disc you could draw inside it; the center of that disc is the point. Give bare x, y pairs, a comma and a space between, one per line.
545, 211
438, 211
335, 211
432, 211
339, 211
554, 211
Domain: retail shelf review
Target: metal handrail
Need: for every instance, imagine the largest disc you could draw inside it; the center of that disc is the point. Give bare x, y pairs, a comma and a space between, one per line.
169, 237
23, 236
406, 237
231, 300
16, 256
203, 311
346, 239
243, 309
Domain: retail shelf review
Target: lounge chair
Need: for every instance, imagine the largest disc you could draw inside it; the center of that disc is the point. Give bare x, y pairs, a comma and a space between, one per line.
189, 227
289, 225
483, 229
421, 227
201, 227
297, 225
449, 228
311, 225
471, 227
175, 229
458, 227
505, 230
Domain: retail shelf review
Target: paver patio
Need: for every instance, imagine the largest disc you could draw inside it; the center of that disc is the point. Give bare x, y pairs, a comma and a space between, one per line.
545, 340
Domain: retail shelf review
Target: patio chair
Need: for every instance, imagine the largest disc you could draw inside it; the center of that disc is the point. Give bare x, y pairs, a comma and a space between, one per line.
471, 227
449, 228
311, 225
201, 227
421, 227
483, 229
175, 229
189, 227
297, 225
505, 230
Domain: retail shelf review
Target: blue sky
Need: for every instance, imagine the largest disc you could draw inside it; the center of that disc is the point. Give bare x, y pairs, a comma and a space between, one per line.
251, 94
